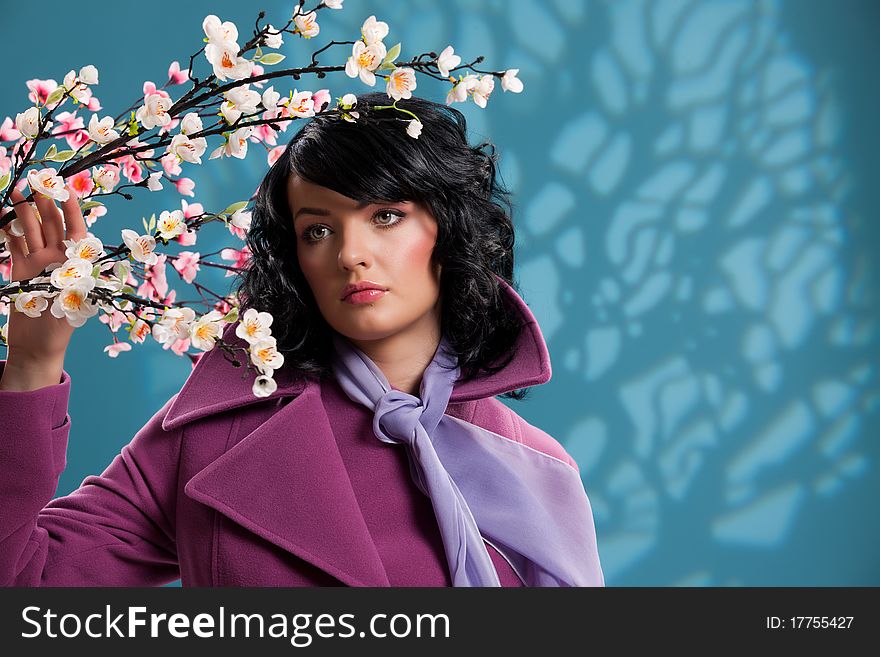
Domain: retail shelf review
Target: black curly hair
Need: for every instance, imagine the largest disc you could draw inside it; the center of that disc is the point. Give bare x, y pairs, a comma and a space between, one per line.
373, 159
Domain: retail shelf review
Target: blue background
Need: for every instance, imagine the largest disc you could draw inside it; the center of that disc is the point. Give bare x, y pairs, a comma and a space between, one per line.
695, 208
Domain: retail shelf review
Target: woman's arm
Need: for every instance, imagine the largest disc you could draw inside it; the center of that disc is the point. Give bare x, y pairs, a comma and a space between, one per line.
116, 529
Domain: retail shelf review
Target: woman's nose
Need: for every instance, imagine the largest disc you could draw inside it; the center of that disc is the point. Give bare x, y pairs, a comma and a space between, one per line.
354, 249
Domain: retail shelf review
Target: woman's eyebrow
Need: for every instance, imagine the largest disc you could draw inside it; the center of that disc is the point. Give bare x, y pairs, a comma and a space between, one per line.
321, 212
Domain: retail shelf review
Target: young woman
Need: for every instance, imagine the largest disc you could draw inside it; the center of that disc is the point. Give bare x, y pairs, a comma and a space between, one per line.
383, 458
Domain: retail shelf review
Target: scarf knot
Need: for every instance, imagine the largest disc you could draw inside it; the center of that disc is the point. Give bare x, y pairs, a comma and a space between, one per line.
531, 505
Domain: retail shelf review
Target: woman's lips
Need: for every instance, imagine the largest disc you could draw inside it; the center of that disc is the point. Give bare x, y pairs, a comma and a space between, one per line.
364, 296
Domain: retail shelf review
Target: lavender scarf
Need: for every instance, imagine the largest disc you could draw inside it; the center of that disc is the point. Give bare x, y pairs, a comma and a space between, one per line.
531, 506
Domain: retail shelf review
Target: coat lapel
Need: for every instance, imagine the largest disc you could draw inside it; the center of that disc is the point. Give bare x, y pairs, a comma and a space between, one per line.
286, 480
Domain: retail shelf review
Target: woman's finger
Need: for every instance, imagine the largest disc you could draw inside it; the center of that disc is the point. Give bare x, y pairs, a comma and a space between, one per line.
27, 219
50, 218
15, 245
73, 216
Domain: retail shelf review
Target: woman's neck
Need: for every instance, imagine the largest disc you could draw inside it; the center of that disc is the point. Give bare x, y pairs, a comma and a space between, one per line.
403, 357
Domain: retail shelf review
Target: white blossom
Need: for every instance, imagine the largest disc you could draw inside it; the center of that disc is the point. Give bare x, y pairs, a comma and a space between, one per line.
188, 150
414, 128
307, 24
154, 182
483, 89
72, 272
31, 304
48, 182
270, 98
273, 38
264, 354
28, 122
206, 330
73, 303
154, 111
175, 324
264, 386
254, 326
88, 74
190, 123
102, 131
106, 177
220, 33
509, 81
401, 83
226, 62
171, 224
364, 60
142, 247
374, 31
447, 60
88, 248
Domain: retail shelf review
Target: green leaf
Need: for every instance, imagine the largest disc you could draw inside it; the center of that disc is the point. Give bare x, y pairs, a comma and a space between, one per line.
88, 205
387, 66
258, 52
271, 58
152, 223
50, 152
4, 180
55, 96
96, 271
146, 227
231, 316
62, 156
392, 54
235, 207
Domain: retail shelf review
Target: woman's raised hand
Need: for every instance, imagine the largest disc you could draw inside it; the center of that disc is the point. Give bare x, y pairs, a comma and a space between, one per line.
37, 344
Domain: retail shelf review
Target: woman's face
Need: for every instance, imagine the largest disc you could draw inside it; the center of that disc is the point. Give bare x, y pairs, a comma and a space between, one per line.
341, 242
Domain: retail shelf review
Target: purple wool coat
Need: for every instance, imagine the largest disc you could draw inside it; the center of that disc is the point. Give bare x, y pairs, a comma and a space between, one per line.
221, 488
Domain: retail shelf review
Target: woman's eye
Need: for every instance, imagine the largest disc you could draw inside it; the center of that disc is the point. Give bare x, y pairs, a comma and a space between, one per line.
393, 215
310, 233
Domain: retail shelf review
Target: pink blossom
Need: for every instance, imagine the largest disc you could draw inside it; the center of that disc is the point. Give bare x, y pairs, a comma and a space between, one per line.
185, 186
179, 346
264, 133
176, 75
68, 121
6, 270
257, 70
171, 164
191, 210
131, 168
23, 147
275, 153
155, 285
8, 131
94, 104
93, 214
114, 349
239, 258
187, 263
40, 90
150, 88
222, 307
240, 233
321, 98
81, 183
188, 238
5, 162
113, 320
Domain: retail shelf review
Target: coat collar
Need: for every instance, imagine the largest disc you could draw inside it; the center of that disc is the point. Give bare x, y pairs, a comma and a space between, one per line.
286, 480
214, 386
